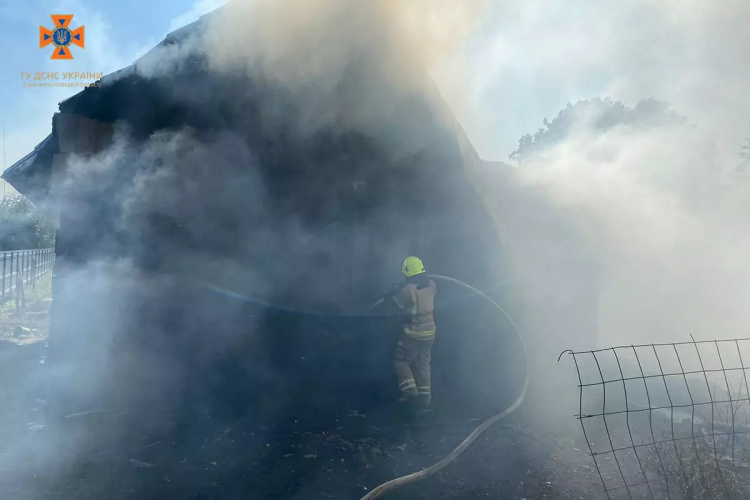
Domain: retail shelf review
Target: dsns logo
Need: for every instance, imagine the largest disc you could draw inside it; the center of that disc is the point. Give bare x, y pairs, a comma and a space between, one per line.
61, 36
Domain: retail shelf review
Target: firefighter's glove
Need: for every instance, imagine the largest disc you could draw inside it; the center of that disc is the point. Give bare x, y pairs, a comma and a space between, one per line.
394, 290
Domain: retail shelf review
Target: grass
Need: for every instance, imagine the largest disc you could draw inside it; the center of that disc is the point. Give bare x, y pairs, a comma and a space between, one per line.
28, 324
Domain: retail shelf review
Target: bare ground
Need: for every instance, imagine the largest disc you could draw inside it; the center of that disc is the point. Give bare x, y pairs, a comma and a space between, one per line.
252, 458
29, 325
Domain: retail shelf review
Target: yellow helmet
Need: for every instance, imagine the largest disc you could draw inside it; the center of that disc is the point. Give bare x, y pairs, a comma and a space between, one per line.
412, 266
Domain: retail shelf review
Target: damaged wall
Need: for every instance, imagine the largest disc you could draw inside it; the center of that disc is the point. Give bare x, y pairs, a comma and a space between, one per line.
210, 259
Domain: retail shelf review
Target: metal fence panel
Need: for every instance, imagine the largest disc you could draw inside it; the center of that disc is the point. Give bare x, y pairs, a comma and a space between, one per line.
668, 420
23, 267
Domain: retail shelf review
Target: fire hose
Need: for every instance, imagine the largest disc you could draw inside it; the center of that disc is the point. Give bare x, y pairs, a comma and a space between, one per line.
436, 467
429, 471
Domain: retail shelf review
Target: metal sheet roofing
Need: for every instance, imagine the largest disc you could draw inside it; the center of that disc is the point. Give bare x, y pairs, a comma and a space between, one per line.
30, 175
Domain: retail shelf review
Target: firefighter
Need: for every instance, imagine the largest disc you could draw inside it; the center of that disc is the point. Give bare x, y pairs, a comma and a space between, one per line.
412, 355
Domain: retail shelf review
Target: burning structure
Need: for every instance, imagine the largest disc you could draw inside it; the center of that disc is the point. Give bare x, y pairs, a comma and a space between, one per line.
229, 221
215, 254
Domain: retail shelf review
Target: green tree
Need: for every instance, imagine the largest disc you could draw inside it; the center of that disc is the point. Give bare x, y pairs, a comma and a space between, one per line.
601, 115
22, 226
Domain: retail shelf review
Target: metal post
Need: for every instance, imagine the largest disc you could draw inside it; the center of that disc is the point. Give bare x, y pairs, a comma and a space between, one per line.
10, 288
5, 255
33, 270
18, 274
22, 290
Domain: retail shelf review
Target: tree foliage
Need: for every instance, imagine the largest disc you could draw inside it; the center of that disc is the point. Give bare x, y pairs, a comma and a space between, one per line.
22, 226
600, 115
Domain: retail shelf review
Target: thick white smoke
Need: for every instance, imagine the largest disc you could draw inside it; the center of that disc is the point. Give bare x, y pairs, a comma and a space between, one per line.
662, 218
316, 49
667, 230
660, 208
535, 57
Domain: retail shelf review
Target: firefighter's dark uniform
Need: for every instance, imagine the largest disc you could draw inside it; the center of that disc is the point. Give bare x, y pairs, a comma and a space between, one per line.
412, 356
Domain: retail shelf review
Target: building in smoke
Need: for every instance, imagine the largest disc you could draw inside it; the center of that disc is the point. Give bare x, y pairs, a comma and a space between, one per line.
211, 254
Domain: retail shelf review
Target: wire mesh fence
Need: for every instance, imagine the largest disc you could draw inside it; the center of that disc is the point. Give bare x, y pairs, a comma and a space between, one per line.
668, 420
21, 268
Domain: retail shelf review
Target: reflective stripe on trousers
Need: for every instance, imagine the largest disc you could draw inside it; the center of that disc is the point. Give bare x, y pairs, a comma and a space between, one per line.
411, 362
